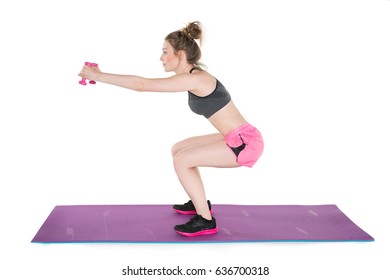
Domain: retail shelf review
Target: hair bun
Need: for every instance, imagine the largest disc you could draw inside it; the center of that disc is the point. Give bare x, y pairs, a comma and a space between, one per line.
193, 30
189, 40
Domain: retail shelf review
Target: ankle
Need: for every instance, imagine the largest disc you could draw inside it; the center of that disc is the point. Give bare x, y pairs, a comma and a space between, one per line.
207, 217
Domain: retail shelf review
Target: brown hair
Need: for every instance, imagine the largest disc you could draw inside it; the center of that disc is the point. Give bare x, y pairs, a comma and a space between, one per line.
184, 39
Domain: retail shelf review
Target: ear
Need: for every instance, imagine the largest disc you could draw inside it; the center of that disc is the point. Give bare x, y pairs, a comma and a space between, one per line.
182, 54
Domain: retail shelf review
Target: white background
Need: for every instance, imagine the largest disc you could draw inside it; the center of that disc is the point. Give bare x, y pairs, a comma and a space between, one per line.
312, 75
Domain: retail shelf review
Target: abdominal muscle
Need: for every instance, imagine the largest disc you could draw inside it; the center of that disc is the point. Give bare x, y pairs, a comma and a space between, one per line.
227, 119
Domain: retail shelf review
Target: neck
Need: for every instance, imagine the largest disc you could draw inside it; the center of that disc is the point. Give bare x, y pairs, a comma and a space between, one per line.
184, 68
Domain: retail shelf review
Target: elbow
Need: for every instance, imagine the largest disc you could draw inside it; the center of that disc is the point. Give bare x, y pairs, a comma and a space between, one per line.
140, 86
139, 89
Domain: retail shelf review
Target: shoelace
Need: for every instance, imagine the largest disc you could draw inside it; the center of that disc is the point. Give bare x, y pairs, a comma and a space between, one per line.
194, 219
189, 203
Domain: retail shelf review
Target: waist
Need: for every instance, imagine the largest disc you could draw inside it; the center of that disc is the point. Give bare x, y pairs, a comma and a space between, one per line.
239, 130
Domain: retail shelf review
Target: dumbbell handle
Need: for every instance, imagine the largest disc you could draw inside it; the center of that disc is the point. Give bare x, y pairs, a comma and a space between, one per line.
83, 80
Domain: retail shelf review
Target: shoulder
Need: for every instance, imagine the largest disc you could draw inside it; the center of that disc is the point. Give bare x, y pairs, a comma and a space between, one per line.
205, 83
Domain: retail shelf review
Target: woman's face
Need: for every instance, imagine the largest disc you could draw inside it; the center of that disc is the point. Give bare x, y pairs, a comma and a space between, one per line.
169, 59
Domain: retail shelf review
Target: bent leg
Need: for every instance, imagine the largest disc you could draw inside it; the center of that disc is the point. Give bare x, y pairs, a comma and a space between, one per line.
194, 141
187, 160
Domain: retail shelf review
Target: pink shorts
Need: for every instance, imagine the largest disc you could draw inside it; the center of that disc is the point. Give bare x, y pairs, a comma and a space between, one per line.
246, 143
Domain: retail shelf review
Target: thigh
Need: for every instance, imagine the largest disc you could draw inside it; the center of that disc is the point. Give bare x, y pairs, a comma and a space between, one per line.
195, 141
211, 154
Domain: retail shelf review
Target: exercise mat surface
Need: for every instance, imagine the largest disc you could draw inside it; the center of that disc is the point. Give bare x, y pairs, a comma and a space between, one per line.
236, 223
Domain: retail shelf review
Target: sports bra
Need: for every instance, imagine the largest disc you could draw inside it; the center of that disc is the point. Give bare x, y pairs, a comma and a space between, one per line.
210, 104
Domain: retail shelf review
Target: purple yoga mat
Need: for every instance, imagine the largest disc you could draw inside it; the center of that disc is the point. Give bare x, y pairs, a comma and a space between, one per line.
237, 223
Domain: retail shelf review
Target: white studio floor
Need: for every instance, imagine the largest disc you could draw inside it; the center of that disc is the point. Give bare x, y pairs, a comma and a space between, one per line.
313, 76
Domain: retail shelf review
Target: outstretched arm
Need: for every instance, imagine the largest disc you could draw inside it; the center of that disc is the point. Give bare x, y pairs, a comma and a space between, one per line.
176, 83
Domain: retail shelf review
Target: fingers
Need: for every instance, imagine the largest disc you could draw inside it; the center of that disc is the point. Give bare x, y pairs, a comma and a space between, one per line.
82, 72
85, 71
89, 70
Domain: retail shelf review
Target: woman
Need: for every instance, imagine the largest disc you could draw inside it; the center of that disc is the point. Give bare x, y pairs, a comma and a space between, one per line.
237, 143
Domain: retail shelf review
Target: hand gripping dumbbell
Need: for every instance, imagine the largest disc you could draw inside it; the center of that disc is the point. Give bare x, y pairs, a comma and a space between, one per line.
83, 80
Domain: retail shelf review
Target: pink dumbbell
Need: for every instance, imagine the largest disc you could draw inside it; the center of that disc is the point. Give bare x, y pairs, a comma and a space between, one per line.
83, 80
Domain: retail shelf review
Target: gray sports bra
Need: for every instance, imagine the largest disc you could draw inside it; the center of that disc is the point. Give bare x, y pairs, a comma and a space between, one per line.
210, 104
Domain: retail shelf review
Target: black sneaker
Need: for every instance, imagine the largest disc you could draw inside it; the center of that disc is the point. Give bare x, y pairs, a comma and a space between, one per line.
188, 208
197, 226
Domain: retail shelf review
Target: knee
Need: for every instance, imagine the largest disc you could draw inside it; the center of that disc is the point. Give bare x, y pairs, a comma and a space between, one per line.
176, 148
180, 161
176, 159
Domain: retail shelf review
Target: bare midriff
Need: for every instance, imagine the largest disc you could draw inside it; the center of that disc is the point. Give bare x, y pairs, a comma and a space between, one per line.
227, 119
